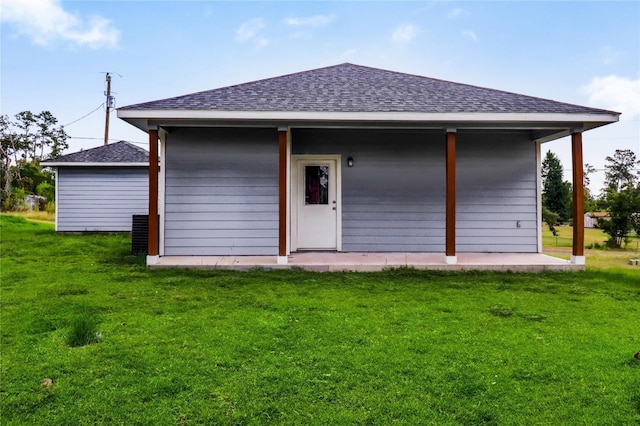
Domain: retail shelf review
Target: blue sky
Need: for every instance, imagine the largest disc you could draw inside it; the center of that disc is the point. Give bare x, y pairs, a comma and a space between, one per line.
54, 54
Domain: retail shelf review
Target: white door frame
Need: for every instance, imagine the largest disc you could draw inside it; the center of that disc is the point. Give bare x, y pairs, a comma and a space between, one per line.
294, 195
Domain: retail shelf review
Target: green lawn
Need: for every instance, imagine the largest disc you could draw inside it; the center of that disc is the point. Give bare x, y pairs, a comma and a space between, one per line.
598, 259
289, 347
592, 238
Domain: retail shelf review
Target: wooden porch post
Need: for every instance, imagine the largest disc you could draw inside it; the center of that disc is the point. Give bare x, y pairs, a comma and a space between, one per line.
578, 199
282, 196
152, 248
450, 245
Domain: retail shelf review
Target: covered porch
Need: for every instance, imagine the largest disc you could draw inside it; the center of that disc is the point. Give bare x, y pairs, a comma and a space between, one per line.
372, 262
355, 258
371, 169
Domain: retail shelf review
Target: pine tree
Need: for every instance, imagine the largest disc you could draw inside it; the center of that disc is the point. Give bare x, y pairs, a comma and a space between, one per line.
556, 191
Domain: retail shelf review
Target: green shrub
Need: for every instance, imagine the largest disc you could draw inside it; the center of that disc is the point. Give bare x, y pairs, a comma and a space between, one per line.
15, 201
46, 190
596, 245
50, 207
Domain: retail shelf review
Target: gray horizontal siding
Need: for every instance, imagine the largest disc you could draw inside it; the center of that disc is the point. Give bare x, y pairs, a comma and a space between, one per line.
216, 216
493, 224
496, 192
221, 189
223, 208
393, 196
100, 199
178, 224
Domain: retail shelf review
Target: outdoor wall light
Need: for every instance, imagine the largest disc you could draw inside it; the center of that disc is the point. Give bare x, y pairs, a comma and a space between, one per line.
350, 161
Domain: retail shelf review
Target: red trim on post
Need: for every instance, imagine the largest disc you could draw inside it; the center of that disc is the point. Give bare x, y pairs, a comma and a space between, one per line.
152, 248
578, 194
282, 193
450, 248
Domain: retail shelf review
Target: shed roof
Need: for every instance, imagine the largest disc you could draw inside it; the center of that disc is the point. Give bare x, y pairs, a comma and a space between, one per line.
355, 88
120, 154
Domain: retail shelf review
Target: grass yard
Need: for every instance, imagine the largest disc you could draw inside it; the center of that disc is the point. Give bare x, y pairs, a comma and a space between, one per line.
598, 259
43, 217
593, 237
289, 347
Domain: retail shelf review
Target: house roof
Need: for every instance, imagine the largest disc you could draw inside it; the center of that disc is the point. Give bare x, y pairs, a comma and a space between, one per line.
118, 154
360, 94
354, 88
598, 214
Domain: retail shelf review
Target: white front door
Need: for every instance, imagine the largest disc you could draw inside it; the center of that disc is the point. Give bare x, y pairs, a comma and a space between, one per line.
316, 204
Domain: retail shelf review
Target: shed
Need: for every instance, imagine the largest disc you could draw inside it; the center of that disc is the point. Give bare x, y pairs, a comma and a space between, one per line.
99, 189
591, 219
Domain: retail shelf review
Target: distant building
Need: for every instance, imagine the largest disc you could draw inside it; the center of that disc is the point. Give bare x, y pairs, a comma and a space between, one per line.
32, 202
591, 219
99, 189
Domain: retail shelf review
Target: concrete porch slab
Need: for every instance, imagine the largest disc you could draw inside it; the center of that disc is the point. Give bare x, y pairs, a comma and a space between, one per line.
371, 262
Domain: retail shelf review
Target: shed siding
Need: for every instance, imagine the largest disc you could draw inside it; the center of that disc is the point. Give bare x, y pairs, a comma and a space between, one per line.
100, 198
496, 193
393, 196
221, 189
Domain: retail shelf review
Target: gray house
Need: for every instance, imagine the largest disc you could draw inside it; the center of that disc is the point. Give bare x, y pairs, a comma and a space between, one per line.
99, 189
350, 158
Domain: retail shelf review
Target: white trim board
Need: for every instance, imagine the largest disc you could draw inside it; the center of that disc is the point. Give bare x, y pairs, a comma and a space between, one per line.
162, 192
473, 117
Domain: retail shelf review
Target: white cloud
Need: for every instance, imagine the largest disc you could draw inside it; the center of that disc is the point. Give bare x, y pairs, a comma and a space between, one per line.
247, 30
312, 21
405, 33
620, 94
470, 35
46, 22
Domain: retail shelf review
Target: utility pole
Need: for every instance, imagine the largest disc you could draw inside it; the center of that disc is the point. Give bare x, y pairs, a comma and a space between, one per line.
108, 107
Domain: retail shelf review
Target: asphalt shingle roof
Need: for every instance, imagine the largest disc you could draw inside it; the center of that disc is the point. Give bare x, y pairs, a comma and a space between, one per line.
118, 152
355, 88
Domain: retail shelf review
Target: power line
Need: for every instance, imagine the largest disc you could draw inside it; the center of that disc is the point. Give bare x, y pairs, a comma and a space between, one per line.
84, 116
111, 139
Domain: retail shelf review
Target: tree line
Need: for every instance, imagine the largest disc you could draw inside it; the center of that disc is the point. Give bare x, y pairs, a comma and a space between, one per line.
620, 197
26, 139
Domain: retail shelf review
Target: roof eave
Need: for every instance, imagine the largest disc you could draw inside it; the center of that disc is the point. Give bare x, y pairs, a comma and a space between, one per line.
146, 119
